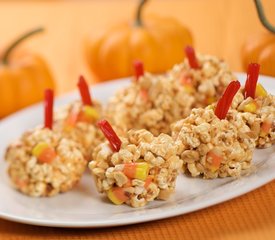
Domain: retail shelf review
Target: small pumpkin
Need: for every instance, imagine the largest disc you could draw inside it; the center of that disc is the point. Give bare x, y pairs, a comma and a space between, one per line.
260, 48
158, 42
23, 77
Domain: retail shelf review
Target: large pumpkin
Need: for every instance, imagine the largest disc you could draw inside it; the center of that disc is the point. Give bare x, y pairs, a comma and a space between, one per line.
260, 48
23, 78
158, 42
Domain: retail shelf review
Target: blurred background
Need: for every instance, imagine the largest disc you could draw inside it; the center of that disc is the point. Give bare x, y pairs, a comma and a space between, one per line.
218, 27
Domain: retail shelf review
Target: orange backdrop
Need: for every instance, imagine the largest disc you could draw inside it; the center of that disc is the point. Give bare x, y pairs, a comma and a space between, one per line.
219, 27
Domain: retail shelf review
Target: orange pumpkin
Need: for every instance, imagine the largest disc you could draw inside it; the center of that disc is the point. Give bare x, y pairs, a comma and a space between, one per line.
158, 42
23, 78
260, 48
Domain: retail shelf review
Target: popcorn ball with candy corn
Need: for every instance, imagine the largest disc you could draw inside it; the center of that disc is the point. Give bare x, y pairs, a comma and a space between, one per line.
150, 102
77, 120
215, 141
204, 77
43, 162
135, 169
257, 108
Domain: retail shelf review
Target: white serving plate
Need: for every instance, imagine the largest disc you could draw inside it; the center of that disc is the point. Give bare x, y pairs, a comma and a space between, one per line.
84, 207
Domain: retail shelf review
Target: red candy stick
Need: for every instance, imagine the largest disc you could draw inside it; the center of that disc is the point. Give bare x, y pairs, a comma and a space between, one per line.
48, 108
190, 53
139, 69
251, 81
226, 99
84, 91
110, 134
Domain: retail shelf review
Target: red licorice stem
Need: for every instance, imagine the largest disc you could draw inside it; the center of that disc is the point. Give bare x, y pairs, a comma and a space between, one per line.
251, 81
110, 134
192, 59
226, 99
48, 108
139, 69
84, 91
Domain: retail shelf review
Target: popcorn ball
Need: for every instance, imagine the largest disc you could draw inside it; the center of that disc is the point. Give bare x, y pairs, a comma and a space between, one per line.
154, 102
204, 77
135, 169
215, 143
150, 102
257, 108
77, 120
44, 163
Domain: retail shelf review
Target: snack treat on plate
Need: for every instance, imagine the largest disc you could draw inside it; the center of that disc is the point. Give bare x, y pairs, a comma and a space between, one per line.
204, 77
135, 169
150, 102
42, 162
214, 142
257, 108
77, 120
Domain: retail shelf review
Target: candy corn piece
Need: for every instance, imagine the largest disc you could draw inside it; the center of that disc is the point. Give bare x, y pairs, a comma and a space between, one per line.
144, 94
70, 121
215, 160
266, 126
117, 195
187, 83
260, 91
251, 107
89, 114
210, 100
189, 89
136, 170
44, 153
148, 181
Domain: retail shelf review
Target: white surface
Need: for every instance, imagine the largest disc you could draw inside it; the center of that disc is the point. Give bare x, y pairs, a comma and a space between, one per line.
84, 207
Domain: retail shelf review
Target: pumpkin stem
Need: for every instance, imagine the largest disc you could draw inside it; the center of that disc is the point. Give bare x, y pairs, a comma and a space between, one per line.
48, 108
138, 14
18, 41
263, 19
